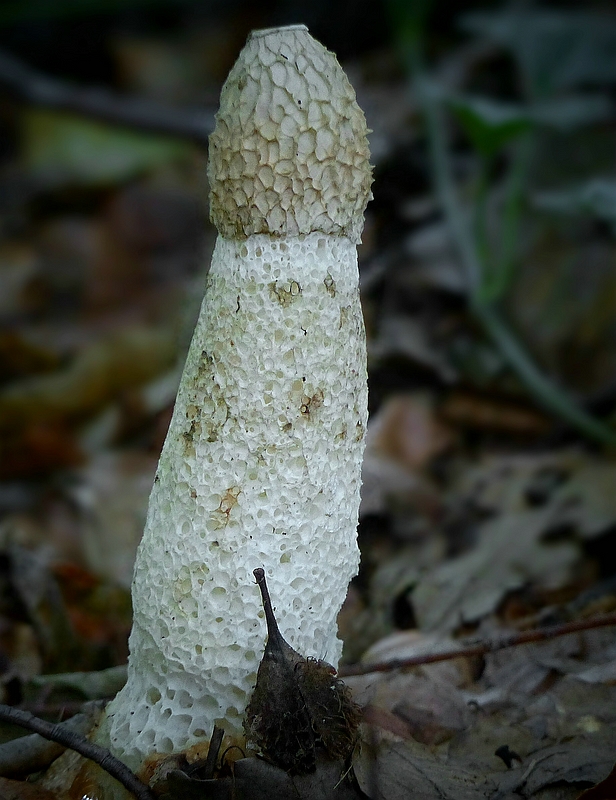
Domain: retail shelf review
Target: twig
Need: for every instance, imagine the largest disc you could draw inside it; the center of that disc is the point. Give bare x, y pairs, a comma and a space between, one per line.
62, 710
68, 738
481, 648
514, 201
212, 753
134, 112
93, 685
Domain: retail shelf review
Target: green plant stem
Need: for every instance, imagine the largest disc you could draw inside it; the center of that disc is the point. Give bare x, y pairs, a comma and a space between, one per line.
481, 225
546, 391
444, 183
511, 218
551, 396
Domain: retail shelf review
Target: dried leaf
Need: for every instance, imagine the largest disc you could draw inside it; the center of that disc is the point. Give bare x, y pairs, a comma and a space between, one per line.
37, 450
600, 673
19, 356
96, 377
605, 790
480, 412
39, 594
581, 759
91, 685
408, 644
255, 779
397, 770
32, 753
111, 493
391, 769
299, 708
403, 336
509, 553
386, 721
20, 790
529, 498
585, 707
403, 439
407, 431
578, 487
60, 147
425, 701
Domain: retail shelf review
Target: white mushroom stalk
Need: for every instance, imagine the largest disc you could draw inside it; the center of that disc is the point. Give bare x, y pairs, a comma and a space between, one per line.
261, 465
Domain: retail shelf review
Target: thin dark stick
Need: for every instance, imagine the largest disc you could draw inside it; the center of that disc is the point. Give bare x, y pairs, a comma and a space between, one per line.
212, 753
273, 632
63, 710
101, 756
134, 112
481, 648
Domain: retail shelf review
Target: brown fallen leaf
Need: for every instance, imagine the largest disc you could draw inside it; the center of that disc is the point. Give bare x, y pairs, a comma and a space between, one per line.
388, 768
36, 590
381, 718
579, 760
605, 790
20, 790
94, 378
511, 551
255, 779
425, 703
110, 496
20, 357
484, 413
407, 430
37, 450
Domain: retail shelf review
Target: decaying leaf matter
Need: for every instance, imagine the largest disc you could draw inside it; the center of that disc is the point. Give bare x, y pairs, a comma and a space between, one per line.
299, 707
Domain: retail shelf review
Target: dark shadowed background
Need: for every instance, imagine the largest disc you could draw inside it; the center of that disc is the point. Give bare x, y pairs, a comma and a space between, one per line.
488, 277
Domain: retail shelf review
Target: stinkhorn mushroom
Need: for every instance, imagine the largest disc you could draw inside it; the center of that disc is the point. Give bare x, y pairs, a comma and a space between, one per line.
261, 465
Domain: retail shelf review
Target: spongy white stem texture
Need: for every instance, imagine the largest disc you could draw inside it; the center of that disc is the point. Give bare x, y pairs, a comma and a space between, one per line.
261, 468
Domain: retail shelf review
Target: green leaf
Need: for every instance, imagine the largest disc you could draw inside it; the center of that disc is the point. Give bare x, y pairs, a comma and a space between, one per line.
596, 197
490, 124
59, 147
408, 20
574, 111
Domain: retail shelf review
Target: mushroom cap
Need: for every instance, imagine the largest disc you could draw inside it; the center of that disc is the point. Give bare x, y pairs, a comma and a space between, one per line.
289, 154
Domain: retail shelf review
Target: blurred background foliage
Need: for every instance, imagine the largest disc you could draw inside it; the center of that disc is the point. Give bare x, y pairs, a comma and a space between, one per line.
488, 276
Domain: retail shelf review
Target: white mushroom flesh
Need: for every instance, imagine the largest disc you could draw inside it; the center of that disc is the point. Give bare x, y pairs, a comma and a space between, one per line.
261, 465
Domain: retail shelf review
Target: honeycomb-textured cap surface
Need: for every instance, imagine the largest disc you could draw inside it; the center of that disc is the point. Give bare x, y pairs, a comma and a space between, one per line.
289, 154
261, 468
